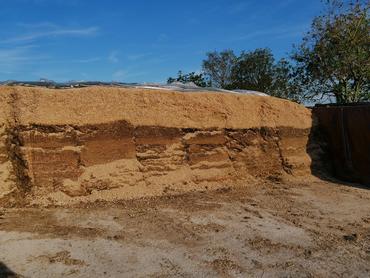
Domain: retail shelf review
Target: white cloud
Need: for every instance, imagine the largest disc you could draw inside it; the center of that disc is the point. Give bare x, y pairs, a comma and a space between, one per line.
72, 3
129, 75
162, 37
16, 58
74, 61
87, 60
119, 75
239, 7
45, 24
113, 57
275, 32
135, 57
18, 54
38, 31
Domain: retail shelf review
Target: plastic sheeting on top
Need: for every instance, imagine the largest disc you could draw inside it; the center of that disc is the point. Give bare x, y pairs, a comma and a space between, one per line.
175, 86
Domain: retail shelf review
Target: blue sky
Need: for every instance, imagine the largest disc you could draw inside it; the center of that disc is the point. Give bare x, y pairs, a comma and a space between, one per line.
139, 41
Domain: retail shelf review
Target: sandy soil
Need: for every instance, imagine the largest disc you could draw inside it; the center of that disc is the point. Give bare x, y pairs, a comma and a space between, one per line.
106, 143
141, 107
268, 229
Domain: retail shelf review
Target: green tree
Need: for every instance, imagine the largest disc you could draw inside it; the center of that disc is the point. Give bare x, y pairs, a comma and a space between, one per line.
257, 70
283, 85
254, 71
333, 59
219, 66
198, 79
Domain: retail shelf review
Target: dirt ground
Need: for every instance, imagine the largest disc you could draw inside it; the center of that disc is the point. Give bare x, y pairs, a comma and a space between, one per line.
267, 229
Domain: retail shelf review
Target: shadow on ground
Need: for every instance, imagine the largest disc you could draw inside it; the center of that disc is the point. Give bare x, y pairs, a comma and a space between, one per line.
330, 160
5, 272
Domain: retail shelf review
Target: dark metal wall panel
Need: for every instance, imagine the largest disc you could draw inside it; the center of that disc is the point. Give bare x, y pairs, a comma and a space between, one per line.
347, 129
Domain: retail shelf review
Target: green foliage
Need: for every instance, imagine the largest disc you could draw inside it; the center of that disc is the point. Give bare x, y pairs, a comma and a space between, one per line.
254, 70
198, 79
219, 66
257, 70
284, 85
334, 57
333, 60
